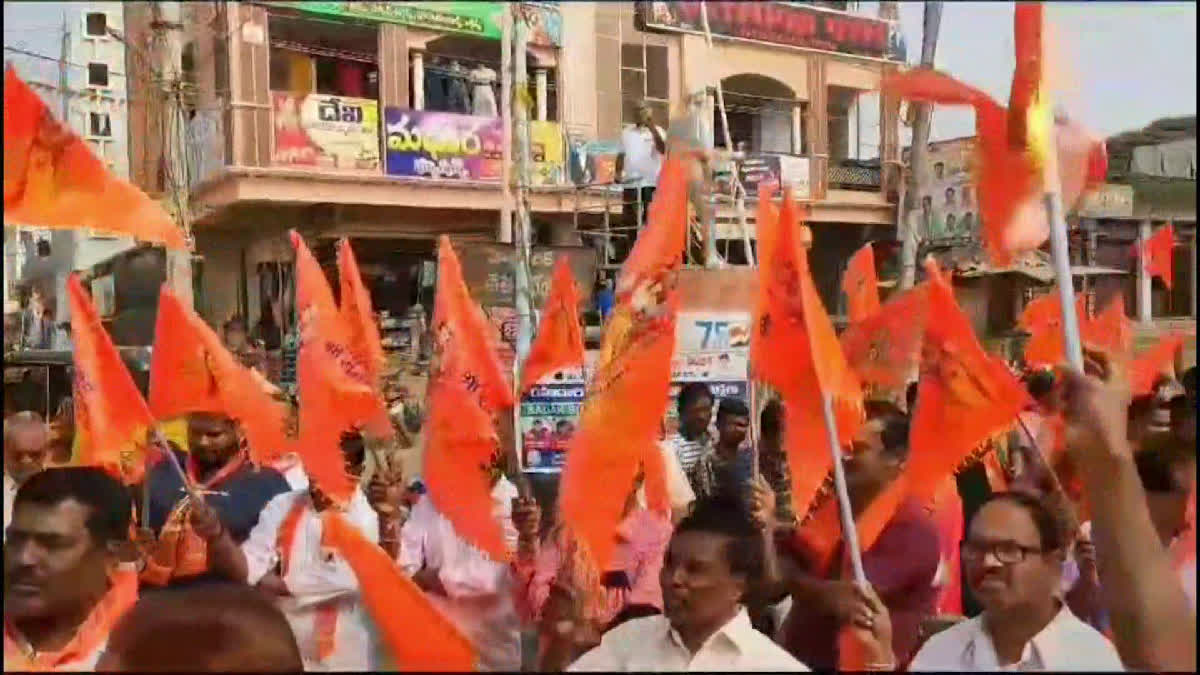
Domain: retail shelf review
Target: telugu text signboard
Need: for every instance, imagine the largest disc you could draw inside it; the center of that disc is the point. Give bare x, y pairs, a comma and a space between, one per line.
776, 22
479, 19
328, 132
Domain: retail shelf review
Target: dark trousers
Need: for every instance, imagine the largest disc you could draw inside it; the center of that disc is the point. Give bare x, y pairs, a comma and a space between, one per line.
633, 215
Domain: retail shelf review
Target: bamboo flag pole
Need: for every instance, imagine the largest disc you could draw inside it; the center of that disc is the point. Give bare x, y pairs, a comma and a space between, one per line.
849, 530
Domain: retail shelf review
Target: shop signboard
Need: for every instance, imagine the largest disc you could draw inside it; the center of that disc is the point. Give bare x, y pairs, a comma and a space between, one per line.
784, 23
335, 133
770, 168
1107, 200
420, 143
479, 19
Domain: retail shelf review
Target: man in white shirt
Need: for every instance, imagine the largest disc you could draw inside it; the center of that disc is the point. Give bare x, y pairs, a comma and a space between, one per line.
315, 588
471, 589
638, 164
1013, 557
712, 557
26, 445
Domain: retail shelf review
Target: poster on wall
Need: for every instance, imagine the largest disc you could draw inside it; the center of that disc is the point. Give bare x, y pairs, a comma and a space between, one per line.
548, 419
769, 168
328, 132
549, 153
713, 348
950, 208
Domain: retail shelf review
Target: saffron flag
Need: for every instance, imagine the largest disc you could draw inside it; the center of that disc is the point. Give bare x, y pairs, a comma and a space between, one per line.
964, 398
627, 394
110, 414
883, 349
1147, 367
947, 511
795, 351
821, 531
357, 316
860, 285
1110, 332
1157, 252
52, 179
1013, 144
335, 392
419, 637
559, 341
467, 386
1043, 320
191, 371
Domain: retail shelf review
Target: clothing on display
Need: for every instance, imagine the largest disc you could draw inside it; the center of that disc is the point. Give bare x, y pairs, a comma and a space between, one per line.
351, 78
301, 74
458, 98
483, 96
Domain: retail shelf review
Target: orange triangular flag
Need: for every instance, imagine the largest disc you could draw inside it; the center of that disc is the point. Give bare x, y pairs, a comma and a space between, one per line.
766, 222
1043, 320
947, 512
467, 386
1012, 144
335, 392
1147, 367
627, 394
419, 636
965, 396
1110, 332
795, 351
559, 342
52, 179
1157, 254
357, 315
860, 285
884, 348
110, 414
191, 371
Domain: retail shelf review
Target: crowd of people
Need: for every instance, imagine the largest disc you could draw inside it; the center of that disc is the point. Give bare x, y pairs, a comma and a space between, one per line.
1086, 562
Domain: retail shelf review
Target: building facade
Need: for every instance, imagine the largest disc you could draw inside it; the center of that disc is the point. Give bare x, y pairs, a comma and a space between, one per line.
74, 56
382, 122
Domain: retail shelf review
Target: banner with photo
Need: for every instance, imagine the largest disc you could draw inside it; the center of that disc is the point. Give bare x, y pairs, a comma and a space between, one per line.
950, 207
713, 348
334, 133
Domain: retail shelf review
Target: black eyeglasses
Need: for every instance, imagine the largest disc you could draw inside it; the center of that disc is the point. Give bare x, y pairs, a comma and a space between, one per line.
1006, 552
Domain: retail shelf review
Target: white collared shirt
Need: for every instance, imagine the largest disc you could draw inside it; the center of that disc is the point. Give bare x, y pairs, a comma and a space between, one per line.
642, 160
1065, 644
315, 576
10, 495
650, 644
479, 596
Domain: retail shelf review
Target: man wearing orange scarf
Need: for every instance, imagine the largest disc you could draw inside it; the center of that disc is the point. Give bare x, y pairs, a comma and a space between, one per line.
63, 588
192, 535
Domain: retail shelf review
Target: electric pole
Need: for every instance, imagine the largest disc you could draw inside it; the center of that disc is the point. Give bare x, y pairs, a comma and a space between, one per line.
917, 179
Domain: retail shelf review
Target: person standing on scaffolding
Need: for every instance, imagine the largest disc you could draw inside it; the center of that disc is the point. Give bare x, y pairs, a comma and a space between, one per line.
642, 148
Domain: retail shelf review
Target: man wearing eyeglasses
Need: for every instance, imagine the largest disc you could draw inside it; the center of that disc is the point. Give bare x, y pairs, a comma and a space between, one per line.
1013, 557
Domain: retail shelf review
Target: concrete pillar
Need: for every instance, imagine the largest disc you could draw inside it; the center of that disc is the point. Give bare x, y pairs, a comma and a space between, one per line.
797, 128
417, 59
1143, 279
542, 95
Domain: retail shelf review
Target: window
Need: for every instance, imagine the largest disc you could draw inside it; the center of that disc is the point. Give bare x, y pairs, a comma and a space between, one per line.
644, 77
97, 74
96, 24
99, 124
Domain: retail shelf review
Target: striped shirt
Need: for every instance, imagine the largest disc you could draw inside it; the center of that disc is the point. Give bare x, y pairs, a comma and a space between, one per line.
690, 452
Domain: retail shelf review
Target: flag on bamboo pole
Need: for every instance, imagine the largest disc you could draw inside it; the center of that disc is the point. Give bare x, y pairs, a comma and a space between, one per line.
559, 341
335, 392
191, 371
358, 317
110, 414
419, 637
964, 398
1156, 254
795, 351
860, 285
883, 349
1013, 143
1147, 367
821, 530
467, 387
52, 179
627, 394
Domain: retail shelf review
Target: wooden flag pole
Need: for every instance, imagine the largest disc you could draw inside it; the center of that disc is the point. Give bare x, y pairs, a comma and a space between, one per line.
849, 530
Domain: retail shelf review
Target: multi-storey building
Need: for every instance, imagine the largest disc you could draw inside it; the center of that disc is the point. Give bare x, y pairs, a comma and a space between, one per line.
381, 122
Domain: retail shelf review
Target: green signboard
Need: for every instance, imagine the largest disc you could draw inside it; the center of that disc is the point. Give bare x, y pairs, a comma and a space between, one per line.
481, 19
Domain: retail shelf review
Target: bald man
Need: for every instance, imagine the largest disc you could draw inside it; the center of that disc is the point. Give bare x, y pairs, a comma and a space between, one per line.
26, 445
